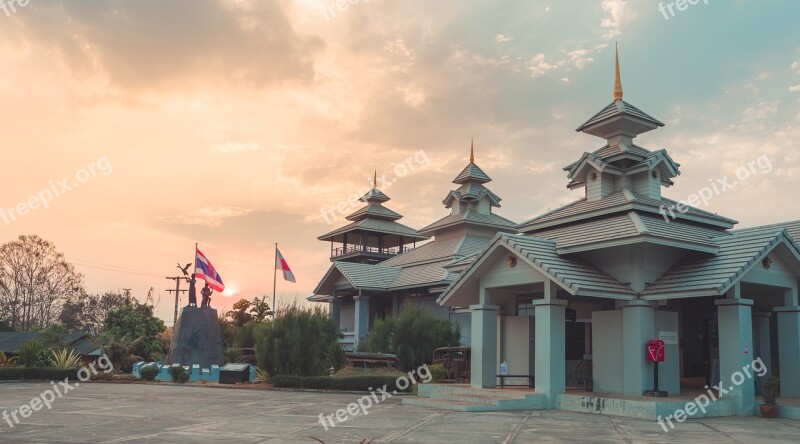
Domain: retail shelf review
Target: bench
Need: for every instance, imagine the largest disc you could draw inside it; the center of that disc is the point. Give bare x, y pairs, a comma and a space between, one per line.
503, 384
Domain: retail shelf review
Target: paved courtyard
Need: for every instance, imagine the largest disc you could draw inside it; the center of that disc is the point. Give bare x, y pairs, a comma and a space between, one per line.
110, 413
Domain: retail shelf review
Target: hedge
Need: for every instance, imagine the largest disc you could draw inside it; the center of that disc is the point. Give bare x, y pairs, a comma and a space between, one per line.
37, 373
355, 383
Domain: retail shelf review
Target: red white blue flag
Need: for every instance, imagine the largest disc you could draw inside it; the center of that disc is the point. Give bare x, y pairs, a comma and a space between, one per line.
280, 264
205, 271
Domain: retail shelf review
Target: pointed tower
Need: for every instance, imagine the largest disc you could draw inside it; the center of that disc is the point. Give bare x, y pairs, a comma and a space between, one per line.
374, 234
621, 164
471, 203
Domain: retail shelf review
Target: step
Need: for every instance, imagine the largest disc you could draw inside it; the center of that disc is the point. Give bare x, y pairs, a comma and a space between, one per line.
443, 404
470, 397
427, 390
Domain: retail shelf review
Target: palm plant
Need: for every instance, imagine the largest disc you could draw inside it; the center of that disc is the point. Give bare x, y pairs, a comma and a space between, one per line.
32, 354
122, 352
65, 359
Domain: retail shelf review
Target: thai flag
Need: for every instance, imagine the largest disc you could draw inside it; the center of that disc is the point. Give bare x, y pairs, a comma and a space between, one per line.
205, 271
280, 264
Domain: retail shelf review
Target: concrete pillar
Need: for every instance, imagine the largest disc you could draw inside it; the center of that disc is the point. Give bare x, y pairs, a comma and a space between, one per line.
550, 349
484, 345
761, 346
361, 318
736, 352
336, 311
638, 327
789, 350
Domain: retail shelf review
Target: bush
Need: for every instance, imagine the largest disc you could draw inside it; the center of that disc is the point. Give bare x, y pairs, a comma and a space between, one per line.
149, 372
772, 390
412, 336
299, 342
65, 359
178, 374
37, 373
438, 372
355, 384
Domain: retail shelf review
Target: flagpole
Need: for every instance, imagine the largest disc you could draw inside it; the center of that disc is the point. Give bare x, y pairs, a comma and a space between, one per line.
274, 281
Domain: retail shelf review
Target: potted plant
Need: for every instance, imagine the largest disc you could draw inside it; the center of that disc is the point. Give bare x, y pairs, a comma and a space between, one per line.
772, 389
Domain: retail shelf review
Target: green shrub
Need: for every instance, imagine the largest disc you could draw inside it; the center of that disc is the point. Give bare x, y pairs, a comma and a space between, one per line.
772, 390
354, 384
233, 356
149, 372
412, 336
438, 372
299, 342
178, 374
65, 359
37, 373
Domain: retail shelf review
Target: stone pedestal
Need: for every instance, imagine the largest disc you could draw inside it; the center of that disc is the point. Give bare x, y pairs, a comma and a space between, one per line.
196, 339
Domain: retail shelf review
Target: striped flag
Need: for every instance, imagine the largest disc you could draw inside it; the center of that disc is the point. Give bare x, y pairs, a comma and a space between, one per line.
280, 264
205, 271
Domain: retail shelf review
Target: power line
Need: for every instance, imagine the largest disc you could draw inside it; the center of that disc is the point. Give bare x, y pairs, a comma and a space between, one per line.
113, 268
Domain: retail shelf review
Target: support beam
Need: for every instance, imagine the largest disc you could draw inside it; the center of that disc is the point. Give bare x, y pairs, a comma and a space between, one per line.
761, 346
638, 327
550, 348
735, 352
484, 345
789, 350
362, 317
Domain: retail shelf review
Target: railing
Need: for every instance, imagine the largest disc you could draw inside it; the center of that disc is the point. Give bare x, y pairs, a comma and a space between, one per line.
348, 249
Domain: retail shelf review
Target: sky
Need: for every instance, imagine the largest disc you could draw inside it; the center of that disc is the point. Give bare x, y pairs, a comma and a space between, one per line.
233, 123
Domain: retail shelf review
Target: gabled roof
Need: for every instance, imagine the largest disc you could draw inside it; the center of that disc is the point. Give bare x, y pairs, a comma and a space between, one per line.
471, 192
376, 226
470, 217
704, 275
577, 277
472, 173
360, 276
374, 195
80, 341
630, 227
617, 109
374, 210
621, 201
792, 227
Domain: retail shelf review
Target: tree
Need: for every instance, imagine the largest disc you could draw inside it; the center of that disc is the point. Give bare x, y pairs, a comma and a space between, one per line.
412, 336
35, 282
88, 312
135, 322
239, 315
260, 309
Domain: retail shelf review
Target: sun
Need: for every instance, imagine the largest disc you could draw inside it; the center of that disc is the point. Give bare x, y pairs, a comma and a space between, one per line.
229, 291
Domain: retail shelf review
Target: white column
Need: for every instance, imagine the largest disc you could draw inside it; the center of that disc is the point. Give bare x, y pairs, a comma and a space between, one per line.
736, 352
361, 318
550, 349
336, 311
484, 345
638, 327
761, 345
789, 350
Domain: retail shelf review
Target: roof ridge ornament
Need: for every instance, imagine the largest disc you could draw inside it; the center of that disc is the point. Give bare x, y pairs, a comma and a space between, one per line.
472, 151
617, 81
375, 179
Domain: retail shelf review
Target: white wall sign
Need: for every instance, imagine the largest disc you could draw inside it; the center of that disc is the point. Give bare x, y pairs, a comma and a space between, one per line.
669, 337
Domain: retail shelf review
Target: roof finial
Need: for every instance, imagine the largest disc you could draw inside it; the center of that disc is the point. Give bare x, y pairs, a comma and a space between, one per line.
472, 151
375, 179
617, 81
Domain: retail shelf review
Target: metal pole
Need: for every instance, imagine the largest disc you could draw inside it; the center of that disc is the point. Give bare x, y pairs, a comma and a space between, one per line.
274, 282
177, 295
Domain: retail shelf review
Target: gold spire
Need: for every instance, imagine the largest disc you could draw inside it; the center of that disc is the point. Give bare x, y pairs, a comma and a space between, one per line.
375, 179
617, 81
472, 151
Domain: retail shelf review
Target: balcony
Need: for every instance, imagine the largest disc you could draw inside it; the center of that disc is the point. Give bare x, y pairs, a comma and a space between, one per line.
364, 250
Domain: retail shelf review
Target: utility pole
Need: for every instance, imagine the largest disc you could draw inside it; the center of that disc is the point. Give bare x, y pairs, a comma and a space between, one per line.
178, 292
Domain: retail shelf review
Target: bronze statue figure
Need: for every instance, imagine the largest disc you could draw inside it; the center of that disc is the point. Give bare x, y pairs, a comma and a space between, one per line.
206, 292
192, 292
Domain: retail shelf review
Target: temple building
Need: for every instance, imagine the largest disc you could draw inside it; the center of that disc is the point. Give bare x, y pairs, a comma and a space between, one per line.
374, 272
589, 284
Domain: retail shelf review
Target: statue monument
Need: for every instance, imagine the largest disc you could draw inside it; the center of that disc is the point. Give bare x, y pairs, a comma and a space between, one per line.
197, 336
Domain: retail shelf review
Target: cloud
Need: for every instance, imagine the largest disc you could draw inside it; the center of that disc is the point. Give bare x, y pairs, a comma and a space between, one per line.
150, 44
237, 147
502, 38
619, 12
212, 217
